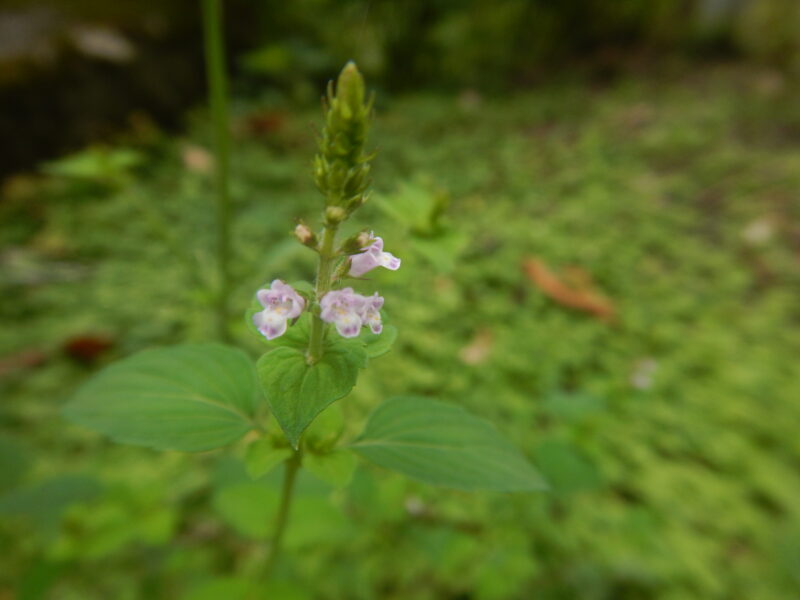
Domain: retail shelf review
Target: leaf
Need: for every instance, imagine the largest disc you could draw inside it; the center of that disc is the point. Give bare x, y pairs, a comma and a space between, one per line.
379, 344
14, 462
297, 392
442, 444
231, 588
249, 508
574, 407
326, 429
96, 164
568, 470
262, 457
190, 397
43, 503
335, 468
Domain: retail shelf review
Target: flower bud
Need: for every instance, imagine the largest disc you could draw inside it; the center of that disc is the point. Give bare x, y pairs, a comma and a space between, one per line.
305, 236
335, 215
356, 243
341, 169
350, 88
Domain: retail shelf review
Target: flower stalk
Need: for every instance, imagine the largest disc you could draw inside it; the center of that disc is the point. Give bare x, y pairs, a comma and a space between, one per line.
341, 172
217, 86
291, 467
327, 257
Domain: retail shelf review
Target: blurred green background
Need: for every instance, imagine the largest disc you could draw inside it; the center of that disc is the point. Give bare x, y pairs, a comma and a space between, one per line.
596, 204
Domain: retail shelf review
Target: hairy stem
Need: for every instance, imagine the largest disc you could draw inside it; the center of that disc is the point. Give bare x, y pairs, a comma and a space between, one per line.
215, 69
282, 518
323, 286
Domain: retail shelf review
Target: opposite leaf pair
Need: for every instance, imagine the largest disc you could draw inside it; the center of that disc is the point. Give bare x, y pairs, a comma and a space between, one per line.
205, 396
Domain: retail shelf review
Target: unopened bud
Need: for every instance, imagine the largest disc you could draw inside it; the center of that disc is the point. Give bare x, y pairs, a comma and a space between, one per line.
335, 215
350, 87
357, 242
305, 236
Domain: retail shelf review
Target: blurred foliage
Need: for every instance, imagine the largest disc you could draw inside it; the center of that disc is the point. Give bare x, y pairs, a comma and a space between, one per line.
670, 433
496, 44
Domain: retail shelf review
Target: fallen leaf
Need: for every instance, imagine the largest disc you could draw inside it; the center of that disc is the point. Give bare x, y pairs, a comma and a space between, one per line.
87, 348
21, 360
580, 293
264, 123
477, 351
197, 159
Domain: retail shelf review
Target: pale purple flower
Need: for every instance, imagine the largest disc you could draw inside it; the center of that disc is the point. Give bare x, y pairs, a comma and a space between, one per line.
371, 257
281, 303
344, 308
371, 315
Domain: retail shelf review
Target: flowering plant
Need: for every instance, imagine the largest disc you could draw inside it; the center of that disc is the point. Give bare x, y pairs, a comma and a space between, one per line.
196, 397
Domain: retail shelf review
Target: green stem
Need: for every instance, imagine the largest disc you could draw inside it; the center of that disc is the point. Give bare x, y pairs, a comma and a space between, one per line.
323, 286
282, 518
215, 69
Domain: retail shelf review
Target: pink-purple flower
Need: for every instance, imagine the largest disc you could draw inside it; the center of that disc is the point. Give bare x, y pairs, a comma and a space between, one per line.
371, 315
281, 303
350, 311
371, 257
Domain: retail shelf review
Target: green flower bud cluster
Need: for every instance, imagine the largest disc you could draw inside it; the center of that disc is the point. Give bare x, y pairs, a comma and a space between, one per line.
341, 168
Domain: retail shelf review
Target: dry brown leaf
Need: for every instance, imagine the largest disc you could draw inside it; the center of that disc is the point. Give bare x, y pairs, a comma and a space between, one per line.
579, 293
477, 351
197, 159
87, 348
25, 359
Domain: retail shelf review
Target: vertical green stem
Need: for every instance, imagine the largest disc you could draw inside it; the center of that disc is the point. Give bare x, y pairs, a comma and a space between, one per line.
282, 518
323, 286
215, 69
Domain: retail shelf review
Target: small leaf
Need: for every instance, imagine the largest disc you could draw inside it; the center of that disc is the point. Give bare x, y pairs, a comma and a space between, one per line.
247, 508
566, 468
262, 457
297, 392
335, 468
43, 503
326, 429
379, 344
190, 397
442, 444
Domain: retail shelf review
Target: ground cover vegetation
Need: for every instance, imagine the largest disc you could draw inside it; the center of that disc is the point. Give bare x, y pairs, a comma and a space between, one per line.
608, 272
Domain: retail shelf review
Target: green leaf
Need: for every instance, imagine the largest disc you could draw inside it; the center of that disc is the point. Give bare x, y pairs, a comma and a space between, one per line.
43, 503
97, 164
297, 392
14, 462
379, 344
326, 429
262, 457
442, 444
191, 397
335, 468
566, 468
249, 508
